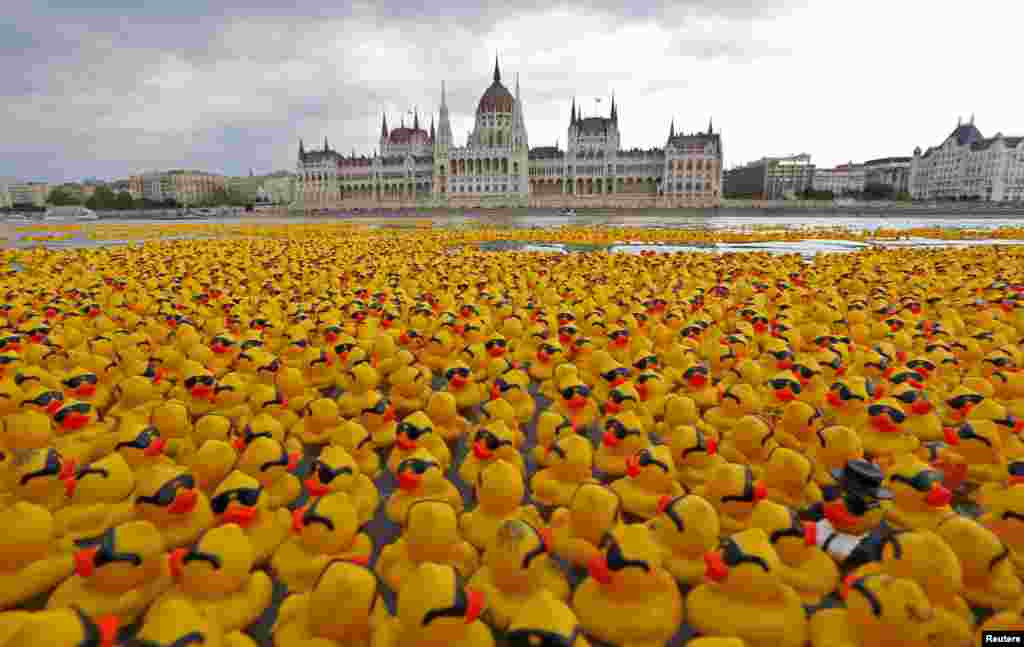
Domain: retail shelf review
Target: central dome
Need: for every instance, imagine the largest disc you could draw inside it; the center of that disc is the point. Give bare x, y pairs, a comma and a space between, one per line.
497, 98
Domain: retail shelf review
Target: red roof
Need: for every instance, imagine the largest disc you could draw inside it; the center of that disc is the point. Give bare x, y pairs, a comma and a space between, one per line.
408, 135
497, 98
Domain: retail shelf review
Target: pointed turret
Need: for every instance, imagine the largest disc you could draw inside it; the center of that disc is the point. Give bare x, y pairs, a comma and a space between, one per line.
402, 123
415, 119
384, 125
302, 149
672, 130
711, 128
497, 71
431, 129
615, 111
444, 127
572, 113
326, 147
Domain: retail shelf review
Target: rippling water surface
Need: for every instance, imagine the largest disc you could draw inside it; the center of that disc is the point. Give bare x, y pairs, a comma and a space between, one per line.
720, 220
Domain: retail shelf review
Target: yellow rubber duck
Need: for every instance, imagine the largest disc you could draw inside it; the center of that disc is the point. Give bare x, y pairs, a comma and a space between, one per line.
66, 627
833, 448
653, 390
141, 445
499, 493
789, 477
461, 383
342, 610
922, 419
543, 618
356, 440
414, 432
650, 475
797, 425
98, 499
733, 491
879, 610
435, 609
500, 410
623, 437
846, 403
171, 419
695, 455
811, 572
239, 499
410, 386
490, 443
380, 420
574, 399
924, 557
979, 444
746, 595
737, 402
513, 387
231, 397
442, 409
550, 426
516, 567
30, 564
216, 575
578, 529
327, 528
686, 528
175, 620
120, 576
570, 464
990, 579
431, 534
168, 497
420, 477
319, 423
629, 598
270, 463
919, 500
26, 429
336, 471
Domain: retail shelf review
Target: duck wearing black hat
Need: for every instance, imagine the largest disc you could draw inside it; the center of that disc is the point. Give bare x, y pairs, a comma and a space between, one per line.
849, 524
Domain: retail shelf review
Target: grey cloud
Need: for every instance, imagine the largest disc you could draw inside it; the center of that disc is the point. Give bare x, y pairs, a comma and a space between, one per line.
85, 65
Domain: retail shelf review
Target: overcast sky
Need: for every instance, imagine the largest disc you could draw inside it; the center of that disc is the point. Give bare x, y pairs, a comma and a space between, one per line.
108, 88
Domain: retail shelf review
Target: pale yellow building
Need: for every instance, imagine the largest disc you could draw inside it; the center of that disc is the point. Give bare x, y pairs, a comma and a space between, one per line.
24, 194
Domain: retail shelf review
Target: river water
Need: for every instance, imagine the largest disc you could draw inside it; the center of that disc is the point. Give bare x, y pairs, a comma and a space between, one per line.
17, 235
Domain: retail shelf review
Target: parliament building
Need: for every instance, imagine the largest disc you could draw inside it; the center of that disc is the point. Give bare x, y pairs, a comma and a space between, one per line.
416, 167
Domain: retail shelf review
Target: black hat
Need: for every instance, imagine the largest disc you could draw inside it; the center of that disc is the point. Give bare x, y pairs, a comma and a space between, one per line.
862, 478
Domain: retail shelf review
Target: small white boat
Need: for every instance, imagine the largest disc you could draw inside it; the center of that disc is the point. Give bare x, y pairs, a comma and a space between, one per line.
69, 214
567, 212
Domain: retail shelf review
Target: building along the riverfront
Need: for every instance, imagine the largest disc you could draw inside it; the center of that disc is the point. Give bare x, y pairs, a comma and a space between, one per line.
496, 167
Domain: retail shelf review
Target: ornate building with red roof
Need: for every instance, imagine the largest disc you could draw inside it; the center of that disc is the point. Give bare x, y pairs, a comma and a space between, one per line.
496, 167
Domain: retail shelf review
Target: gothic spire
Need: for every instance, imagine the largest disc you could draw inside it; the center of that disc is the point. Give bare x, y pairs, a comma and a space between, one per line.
444, 101
615, 112
572, 113
326, 147
415, 119
711, 129
384, 125
672, 130
497, 72
302, 148
431, 129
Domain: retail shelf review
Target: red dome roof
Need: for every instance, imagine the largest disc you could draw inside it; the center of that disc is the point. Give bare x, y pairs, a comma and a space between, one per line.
407, 135
497, 98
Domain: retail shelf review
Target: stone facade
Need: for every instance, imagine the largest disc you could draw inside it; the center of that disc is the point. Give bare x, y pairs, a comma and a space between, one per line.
968, 166
497, 168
